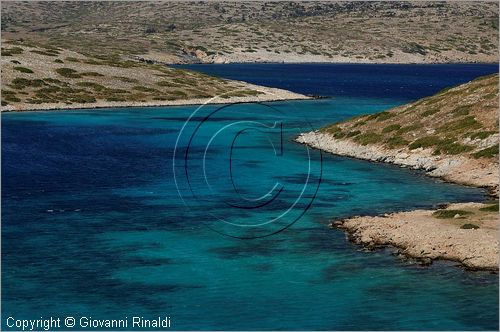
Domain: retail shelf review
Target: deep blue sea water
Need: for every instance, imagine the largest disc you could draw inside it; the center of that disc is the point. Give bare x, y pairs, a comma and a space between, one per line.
93, 224
394, 82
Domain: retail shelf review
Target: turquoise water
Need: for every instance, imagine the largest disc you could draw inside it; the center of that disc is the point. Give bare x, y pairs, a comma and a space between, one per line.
93, 223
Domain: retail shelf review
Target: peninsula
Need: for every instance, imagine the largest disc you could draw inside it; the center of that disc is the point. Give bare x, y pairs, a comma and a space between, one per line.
42, 77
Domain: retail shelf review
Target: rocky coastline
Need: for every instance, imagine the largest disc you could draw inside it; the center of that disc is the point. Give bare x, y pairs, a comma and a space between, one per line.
417, 233
457, 169
470, 239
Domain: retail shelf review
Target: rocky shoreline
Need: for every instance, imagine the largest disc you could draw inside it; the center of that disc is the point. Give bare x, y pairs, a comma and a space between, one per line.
457, 169
267, 95
420, 235
417, 233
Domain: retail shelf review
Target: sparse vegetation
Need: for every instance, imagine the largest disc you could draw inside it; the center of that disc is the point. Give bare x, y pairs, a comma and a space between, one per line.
68, 72
11, 51
382, 116
448, 214
390, 128
469, 226
85, 84
24, 70
466, 123
490, 208
396, 141
368, 138
458, 130
413, 47
481, 134
424, 142
320, 29
430, 112
490, 152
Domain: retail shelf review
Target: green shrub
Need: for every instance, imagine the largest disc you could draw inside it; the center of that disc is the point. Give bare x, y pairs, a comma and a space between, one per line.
368, 138
469, 226
49, 89
430, 112
448, 146
490, 152
48, 52
490, 208
91, 73
54, 81
144, 89
467, 123
24, 70
116, 98
353, 133
404, 130
11, 97
92, 62
481, 134
83, 99
178, 93
12, 51
382, 116
331, 129
21, 83
68, 72
413, 47
390, 128
359, 123
448, 214
396, 141
462, 110
424, 142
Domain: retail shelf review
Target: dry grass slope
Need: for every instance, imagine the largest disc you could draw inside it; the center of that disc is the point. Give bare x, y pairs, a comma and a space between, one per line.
37, 75
452, 135
458, 121
174, 32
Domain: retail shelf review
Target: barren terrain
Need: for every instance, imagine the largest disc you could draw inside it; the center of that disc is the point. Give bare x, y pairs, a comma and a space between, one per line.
258, 31
38, 77
464, 232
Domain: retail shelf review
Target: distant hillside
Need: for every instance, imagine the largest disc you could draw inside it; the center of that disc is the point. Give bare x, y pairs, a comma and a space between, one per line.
453, 134
210, 31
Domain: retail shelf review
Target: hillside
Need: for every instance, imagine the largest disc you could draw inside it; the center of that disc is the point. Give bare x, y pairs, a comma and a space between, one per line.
180, 32
453, 134
37, 76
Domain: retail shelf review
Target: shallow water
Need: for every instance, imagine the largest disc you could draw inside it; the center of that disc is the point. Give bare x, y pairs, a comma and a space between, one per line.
93, 224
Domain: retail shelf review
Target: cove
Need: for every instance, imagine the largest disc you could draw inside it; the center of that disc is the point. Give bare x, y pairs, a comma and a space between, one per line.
93, 225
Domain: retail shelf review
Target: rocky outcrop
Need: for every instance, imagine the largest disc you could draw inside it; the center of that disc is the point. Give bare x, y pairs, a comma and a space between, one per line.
458, 169
420, 235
